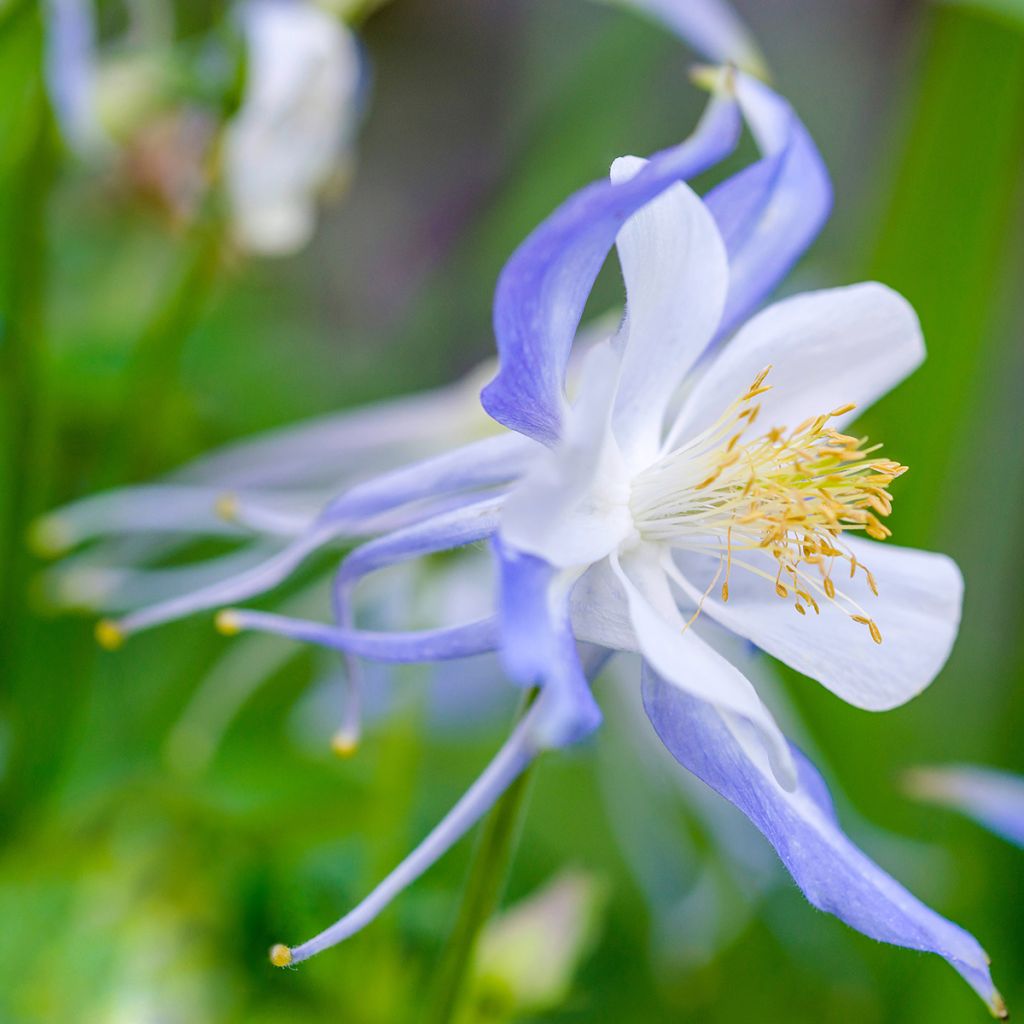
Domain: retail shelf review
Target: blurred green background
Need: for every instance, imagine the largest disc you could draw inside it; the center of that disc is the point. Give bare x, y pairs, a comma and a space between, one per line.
133, 892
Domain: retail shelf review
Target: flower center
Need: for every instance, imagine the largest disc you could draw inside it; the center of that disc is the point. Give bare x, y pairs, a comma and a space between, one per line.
790, 493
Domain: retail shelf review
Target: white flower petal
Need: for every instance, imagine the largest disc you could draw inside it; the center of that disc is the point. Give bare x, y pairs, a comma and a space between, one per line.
826, 349
572, 508
677, 275
678, 655
917, 611
295, 123
599, 610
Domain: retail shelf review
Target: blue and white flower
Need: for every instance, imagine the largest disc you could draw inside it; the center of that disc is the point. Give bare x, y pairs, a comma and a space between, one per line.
699, 474
652, 501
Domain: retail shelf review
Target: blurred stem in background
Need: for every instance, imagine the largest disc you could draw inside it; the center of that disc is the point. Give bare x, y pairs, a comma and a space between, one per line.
152, 382
26, 178
480, 896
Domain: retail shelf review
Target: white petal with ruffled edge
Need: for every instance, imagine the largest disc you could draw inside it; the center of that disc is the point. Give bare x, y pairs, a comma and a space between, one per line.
917, 611
826, 349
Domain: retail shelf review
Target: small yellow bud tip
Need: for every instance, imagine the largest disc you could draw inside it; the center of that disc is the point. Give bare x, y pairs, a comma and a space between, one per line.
49, 537
344, 744
227, 623
714, 78
280, 955
226, 506
109, 635
999, 1010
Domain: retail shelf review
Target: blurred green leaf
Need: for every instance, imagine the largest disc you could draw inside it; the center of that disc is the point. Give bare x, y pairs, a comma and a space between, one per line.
1011, 10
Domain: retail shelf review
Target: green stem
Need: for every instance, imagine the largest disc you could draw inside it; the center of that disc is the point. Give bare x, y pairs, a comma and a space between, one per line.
153, 374
27, 431
23, 352
484, 886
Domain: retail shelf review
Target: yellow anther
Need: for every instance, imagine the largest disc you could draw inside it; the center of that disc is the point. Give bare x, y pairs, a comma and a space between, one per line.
876, 633
344, 743
791, 494
109, 635
227, 622
760, 378
280, 955
226, 506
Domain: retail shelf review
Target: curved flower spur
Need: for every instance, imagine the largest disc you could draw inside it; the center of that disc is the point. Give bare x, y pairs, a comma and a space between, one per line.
699, 476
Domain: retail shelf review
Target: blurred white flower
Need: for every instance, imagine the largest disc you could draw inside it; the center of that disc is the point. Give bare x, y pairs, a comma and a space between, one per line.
71, 69
294, 130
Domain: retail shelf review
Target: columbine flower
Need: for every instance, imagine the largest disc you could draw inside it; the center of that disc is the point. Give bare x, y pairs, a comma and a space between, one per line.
699, 476
993, 798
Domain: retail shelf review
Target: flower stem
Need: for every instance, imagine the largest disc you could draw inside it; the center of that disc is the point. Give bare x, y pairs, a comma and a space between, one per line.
484, 885
153, 374
33, 714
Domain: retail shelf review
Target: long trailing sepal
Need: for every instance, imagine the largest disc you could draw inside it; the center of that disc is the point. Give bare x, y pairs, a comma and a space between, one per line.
544, 286
832, 872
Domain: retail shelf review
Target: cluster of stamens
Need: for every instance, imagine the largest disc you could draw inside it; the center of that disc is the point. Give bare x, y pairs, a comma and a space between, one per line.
791, 493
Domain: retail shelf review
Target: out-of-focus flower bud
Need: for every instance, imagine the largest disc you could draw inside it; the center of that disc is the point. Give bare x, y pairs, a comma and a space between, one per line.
528, 955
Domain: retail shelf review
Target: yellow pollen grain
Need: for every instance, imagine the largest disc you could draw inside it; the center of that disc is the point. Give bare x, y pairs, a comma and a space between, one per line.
227, 622
344, 744
280, 955
725, 591
780, 589
226, 506
876, 633
109, 635
843, 409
